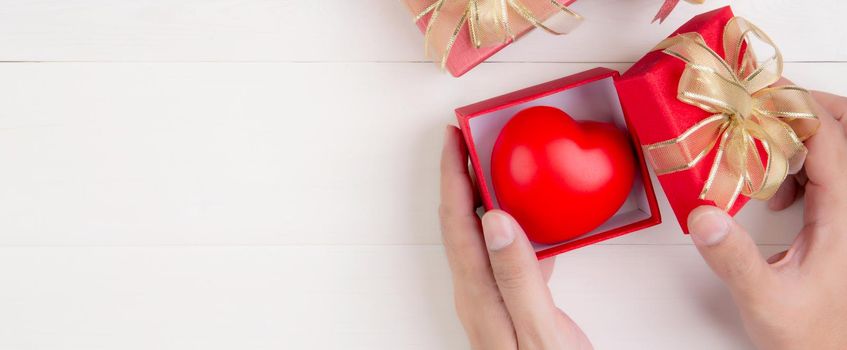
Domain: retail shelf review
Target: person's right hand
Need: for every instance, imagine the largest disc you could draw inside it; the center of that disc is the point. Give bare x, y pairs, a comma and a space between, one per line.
797, 299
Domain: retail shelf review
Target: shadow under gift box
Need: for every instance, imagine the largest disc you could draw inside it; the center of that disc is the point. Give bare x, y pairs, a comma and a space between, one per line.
464, 56
590, 95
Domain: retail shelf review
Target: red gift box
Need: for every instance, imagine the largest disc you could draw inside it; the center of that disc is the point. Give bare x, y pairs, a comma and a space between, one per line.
649, 93
464, 56
591, 95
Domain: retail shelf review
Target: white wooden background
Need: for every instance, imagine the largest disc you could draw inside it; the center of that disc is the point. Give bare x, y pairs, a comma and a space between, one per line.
262, 174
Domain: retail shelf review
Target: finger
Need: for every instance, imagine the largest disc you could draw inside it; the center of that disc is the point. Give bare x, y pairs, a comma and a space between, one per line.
785, 196
456, 189
520, 281
547, 266
728, 250
478, 301
801, 178
460, 227
826, 171
834, 104
826, 149
783, 81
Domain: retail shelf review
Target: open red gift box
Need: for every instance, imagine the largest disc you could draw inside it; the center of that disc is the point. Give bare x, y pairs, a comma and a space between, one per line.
590, 95
642, 102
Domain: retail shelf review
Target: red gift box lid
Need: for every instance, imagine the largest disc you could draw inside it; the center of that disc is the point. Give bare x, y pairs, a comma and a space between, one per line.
651, 99
584, 95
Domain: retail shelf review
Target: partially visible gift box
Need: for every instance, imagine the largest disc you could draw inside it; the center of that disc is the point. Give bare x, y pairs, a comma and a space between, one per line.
460, 34
667, 8
712, 128
590, 95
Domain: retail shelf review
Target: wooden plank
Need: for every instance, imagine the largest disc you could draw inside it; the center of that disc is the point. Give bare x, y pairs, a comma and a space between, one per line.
366, 297
254, 153
363, 30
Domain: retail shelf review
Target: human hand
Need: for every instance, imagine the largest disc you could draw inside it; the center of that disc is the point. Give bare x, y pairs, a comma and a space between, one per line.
500, 289
796, 299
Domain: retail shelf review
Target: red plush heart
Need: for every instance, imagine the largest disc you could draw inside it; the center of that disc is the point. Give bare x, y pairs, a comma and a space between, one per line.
558, 177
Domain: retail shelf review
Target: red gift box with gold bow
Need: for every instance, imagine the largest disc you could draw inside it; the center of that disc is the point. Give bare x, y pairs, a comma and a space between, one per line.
713, 125
460, 34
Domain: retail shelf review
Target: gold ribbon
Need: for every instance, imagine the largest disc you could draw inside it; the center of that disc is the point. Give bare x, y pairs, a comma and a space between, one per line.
749, 116
668, 7
490, 22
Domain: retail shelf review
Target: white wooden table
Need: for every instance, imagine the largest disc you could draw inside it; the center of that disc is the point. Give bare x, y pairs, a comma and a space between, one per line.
255, 174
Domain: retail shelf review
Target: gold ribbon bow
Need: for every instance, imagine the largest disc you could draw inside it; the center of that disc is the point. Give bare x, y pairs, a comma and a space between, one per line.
750, 118
490, 22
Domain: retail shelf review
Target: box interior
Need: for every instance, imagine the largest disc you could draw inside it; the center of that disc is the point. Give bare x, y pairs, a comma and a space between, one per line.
597, 100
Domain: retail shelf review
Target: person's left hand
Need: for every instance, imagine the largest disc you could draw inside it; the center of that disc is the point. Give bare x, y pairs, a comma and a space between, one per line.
500, 288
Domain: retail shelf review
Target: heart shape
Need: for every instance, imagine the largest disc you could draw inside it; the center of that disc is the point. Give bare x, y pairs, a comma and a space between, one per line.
558, 177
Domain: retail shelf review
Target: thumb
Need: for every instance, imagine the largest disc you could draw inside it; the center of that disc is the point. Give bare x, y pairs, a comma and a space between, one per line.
519, 279
728, 250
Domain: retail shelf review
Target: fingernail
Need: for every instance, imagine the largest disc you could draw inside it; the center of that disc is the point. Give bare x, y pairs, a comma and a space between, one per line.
498, 229
708, 226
